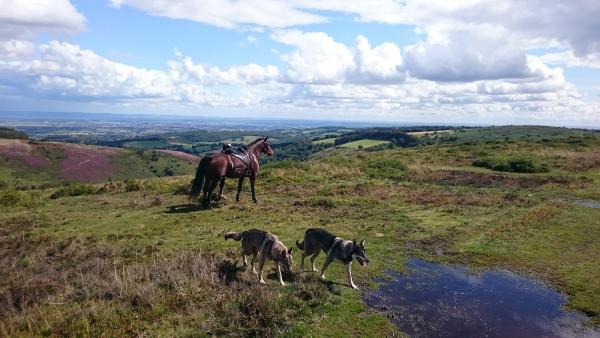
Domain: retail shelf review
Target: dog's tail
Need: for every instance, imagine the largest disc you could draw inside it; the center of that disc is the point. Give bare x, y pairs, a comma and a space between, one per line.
236, 236
300, 245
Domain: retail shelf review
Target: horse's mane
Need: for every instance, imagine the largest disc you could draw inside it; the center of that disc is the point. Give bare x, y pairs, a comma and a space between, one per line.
255, 141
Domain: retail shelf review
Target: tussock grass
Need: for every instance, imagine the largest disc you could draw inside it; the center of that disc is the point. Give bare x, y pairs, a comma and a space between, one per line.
514, 163
43, 292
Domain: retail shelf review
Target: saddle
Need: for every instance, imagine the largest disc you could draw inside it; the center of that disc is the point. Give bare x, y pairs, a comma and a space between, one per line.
244, 156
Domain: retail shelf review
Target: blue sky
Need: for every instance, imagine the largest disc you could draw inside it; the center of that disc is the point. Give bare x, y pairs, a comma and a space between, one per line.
473, 61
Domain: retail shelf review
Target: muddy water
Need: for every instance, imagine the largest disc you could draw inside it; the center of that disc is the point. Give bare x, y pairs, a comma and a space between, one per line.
435, 300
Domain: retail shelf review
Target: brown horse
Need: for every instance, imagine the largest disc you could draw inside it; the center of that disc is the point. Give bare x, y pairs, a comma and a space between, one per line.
213, 170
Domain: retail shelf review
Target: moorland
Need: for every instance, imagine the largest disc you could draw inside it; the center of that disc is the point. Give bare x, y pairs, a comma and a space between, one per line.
132, 256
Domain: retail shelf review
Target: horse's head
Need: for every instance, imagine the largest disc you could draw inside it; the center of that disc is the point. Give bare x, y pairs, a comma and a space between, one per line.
265, 147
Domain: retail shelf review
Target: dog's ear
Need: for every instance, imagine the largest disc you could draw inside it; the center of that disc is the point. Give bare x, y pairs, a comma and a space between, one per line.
362, 243
283, 253
290, 250
354, 242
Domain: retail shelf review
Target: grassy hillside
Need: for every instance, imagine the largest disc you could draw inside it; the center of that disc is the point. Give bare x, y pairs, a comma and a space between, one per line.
30, 164
135, 258
363, 144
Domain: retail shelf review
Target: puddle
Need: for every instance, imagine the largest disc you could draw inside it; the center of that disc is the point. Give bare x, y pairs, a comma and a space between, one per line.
436, 300
582, 202
595, 204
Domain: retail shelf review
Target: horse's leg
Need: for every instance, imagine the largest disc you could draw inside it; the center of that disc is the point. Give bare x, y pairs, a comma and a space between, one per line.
221, 185
205, 199
211, 189
240, 184
252, 180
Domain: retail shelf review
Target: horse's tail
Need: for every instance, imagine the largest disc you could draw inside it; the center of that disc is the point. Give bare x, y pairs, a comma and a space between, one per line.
199, 179
300, 245
236, 236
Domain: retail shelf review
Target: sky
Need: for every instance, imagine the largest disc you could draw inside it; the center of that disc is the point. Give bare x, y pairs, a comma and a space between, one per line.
429, 61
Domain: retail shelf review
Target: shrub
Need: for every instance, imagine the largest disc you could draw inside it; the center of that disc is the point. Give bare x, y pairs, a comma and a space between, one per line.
385, 167
9, 198
516, 164
133, 185
75, 190
317, 202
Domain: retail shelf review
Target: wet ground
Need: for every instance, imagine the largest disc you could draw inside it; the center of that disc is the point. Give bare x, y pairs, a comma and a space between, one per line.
436, 300
595, 204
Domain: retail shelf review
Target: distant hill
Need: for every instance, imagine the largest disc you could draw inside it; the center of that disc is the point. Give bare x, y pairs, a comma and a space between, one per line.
28, 164
12, 134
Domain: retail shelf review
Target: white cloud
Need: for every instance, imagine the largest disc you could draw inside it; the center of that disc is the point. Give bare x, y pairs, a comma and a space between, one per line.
466, 56
227, 13
319, 59
568, 58
23, 20
364, 81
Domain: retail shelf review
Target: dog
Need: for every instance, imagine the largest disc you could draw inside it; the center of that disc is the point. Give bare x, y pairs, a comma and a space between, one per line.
255, 241
316, 240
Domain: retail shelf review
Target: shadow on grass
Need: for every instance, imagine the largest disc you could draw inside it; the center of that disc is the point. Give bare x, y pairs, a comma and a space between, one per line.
183, 208
228, 271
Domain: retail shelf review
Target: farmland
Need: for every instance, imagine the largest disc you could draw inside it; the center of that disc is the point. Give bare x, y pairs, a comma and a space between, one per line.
136, 258
363, 144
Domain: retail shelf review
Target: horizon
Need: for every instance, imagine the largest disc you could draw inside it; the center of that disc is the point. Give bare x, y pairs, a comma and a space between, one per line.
17, 116
473, 63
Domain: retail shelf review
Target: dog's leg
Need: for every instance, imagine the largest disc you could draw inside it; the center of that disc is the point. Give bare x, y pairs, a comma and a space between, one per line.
312, 260
279, 274
328, 261
260, 268
349, 272
254, 261
245, 260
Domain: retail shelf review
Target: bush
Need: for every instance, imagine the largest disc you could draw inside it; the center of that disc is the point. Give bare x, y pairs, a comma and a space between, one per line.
516, 164
317, 202
10, 198
385, 167
75, 190
133, 185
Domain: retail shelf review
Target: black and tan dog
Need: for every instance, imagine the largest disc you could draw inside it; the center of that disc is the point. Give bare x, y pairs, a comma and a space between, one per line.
316, 240
255, 242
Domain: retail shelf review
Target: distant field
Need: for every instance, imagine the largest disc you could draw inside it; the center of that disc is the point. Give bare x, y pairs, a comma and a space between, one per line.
242, 139
154, 144
364, 143
430, 132
512, 133
325, 141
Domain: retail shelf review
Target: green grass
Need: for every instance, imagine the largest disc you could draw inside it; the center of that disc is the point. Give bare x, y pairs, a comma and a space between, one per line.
519, 163
364, 144
325, 141
242, 139
155, 144
122, 256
